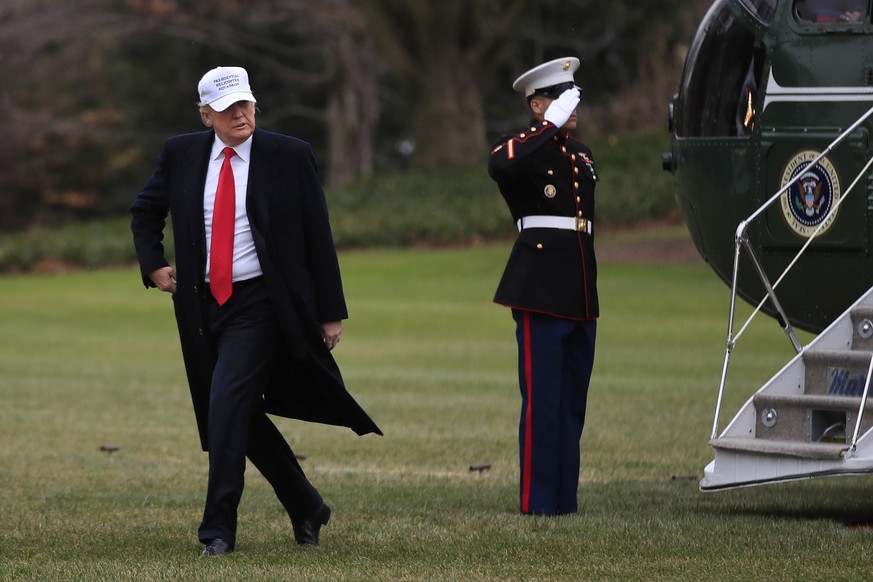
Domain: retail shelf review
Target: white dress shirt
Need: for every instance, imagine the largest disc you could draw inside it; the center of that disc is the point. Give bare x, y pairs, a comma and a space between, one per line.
245, 258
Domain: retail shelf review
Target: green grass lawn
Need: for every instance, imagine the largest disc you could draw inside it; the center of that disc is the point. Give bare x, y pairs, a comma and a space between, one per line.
91, 359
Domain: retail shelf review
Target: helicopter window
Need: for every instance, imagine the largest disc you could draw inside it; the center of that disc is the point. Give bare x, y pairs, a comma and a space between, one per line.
765, 9
719, 86
832, 11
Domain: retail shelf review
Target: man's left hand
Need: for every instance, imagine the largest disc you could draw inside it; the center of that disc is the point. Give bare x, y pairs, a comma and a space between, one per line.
331, 332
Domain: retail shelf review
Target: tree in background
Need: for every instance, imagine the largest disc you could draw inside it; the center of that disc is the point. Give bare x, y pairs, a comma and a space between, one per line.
313, 63
441, 52
353, 105
54, 110
96, 85
631, 55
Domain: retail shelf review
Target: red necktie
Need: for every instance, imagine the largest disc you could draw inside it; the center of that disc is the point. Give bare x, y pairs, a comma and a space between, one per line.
223, 219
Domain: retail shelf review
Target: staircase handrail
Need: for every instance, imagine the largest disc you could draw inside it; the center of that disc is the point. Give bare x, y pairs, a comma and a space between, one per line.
854, 446
741, 240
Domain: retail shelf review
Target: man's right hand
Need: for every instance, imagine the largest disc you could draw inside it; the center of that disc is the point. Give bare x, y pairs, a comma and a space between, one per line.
560, 110
164, 279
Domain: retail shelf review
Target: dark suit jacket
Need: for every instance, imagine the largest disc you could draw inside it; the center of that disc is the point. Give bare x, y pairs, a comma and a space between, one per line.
541, 172
289, 219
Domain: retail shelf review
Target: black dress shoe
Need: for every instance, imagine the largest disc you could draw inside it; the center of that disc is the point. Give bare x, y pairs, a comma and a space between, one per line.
216, 547
307, 530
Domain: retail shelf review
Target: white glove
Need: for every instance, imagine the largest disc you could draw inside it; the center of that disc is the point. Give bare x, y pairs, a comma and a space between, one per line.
562, 108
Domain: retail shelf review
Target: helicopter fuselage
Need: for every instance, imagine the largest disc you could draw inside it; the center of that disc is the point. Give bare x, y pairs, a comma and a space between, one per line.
767, 86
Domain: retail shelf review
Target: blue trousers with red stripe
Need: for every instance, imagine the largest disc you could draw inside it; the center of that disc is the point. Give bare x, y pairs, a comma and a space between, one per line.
554, 366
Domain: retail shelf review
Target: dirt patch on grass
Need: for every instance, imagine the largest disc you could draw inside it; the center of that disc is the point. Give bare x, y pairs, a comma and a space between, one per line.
676, 251
657, 242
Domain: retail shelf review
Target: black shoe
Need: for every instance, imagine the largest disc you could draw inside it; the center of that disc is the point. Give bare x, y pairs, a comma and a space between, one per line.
306, 532
216, 547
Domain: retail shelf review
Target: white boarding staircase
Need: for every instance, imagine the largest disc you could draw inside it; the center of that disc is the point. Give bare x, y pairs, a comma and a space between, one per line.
803, 422
814, 417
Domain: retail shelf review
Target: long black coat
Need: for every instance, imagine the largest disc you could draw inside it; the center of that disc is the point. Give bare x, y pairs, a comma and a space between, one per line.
289, 221
541, 171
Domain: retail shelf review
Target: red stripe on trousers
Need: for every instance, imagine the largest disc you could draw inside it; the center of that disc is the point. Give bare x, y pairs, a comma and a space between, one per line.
528, 418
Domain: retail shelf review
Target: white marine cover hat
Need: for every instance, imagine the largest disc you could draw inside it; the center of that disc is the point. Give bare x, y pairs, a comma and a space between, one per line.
542, 79
223, 86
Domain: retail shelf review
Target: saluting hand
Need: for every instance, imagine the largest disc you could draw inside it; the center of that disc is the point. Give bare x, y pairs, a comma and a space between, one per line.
561, 109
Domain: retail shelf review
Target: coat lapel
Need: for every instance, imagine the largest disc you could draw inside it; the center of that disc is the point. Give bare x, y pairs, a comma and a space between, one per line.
260, 179
194, 180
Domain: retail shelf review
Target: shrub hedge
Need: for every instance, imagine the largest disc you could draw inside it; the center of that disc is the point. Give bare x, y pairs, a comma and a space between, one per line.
456, 205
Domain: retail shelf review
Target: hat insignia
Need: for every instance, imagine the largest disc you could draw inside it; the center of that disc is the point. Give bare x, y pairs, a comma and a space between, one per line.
567, 65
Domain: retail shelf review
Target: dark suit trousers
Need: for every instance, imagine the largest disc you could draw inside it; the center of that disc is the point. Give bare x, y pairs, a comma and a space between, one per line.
247, 342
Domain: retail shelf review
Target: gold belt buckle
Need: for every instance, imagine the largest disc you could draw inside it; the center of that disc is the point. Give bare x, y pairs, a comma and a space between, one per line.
581, 224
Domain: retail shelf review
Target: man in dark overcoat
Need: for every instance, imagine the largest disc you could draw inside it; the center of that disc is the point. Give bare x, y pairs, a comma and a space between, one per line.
547, 178
257, 296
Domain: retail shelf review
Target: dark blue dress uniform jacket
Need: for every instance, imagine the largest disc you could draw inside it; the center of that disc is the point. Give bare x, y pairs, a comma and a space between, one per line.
542, 172
289, 221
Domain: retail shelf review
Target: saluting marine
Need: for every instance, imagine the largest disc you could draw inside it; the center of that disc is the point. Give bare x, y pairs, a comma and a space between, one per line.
547, 178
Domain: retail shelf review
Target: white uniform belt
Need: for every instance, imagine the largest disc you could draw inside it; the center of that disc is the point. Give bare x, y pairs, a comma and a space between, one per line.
561, 222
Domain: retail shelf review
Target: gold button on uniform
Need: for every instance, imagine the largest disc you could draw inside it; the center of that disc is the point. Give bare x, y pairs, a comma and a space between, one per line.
540, 246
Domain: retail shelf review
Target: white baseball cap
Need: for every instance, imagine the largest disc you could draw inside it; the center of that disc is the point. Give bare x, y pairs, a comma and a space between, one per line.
223, 86
548, 78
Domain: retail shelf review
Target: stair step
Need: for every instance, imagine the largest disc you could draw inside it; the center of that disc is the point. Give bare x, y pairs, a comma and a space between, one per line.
816, 401
836, 372
838, 357
809, 418
780, 447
